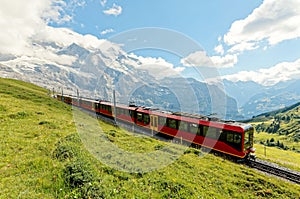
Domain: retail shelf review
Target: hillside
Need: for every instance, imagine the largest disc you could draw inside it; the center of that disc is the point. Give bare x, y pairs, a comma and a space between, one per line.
44, 154
279, 130
282, 125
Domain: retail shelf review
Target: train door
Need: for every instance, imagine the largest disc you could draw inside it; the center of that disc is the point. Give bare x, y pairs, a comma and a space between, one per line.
154, 122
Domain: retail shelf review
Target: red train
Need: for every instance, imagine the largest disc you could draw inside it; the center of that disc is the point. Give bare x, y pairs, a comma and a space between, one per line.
228, 137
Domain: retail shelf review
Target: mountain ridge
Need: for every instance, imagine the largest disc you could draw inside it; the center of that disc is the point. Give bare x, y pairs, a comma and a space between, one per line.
95, 73
259, 99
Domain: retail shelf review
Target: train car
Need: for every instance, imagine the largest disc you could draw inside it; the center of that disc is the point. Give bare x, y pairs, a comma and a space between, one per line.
106, 109
88, 104
232, 138
126, 113
64, 98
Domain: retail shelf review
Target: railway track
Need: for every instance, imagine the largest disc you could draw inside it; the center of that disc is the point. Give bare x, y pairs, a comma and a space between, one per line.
276, 170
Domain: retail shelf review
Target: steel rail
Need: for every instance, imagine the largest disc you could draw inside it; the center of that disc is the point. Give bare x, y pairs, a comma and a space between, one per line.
275, 169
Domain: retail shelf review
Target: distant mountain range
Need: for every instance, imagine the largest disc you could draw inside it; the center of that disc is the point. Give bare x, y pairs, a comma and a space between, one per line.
96, 72
254, 99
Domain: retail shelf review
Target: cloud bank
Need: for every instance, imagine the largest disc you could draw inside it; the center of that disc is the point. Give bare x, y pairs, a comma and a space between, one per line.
279, 73
273, 22
200, 58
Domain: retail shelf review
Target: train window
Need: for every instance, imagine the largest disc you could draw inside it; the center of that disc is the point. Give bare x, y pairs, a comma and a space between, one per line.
146, 119
237, 138
122, 111
229, 137
131, 114
213, 132
162, 121
171, 123
204, 130
139, 117
194, 128
222, 135
248, 138
183, 126
97, 106
126, 112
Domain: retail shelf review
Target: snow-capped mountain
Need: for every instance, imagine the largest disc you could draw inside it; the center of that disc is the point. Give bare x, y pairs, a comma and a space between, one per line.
95, 72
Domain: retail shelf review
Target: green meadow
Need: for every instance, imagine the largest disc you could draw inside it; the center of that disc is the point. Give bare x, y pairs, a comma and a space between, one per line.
49, 150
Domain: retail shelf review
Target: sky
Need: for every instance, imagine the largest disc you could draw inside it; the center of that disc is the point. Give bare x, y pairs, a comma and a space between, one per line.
249, 40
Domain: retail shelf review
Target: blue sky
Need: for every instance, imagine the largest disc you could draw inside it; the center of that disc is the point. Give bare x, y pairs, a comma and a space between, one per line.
250, 40
203, 21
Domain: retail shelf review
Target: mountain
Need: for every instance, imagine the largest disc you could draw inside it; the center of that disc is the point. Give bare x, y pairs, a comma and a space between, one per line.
254, 99
272, 98
242, 91
95, 72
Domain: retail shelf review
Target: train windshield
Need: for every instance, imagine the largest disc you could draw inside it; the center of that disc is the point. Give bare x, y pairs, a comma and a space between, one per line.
248, 139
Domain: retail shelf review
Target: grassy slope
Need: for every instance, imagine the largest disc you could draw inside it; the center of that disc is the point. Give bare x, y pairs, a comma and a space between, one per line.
30, 125
287, 134
42, 156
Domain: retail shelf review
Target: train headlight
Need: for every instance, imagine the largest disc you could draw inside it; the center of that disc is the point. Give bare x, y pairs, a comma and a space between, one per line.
252, 150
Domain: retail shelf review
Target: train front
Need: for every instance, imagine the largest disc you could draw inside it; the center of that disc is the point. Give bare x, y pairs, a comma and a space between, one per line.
249, 141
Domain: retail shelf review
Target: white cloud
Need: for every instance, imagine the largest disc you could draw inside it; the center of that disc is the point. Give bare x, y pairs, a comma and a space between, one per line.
115, 10
104, 32
56, 13
243, 47
157, 67
65, 37
281, 72
21, 20
200, 58
103, 2
224, 62
219, 49
273, 21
